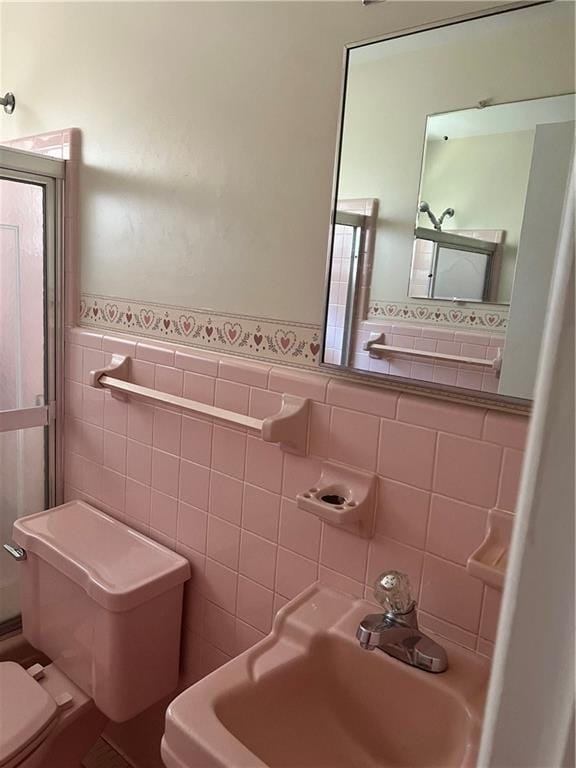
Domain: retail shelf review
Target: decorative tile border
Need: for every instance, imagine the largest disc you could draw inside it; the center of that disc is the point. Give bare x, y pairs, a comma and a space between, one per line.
255, 337
486, 318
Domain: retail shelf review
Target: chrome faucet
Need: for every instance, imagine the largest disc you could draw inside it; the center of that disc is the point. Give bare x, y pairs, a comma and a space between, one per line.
396, 630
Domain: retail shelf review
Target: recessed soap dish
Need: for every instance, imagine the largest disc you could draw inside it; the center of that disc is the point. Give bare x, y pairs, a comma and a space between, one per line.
342, 497
488, 563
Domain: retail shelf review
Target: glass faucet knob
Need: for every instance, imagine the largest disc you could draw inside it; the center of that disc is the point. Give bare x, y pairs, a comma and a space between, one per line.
392, 591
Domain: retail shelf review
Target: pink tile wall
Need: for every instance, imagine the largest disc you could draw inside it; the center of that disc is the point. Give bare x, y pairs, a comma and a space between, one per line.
431, 339
225, 499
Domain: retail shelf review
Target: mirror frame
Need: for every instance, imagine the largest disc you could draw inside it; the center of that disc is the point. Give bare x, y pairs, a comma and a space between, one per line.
492, 401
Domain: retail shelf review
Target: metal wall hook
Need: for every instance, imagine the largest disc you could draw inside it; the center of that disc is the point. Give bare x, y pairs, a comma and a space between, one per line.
8, 101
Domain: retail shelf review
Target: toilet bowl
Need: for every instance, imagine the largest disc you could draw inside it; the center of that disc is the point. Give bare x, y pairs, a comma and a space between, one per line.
104, 603
47, 721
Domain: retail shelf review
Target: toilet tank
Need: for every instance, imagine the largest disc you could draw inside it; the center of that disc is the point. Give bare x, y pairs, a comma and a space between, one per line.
104, 603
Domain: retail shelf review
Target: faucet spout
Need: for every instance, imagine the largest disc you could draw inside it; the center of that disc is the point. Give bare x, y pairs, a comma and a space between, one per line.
397, 633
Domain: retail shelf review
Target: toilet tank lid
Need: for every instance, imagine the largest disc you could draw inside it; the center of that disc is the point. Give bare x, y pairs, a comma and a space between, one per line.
116, 566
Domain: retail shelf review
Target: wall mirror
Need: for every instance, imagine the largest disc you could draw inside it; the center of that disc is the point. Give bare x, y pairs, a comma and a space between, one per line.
455, 149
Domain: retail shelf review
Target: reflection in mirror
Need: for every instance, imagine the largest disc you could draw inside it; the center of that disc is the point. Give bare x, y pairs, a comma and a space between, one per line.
455, 151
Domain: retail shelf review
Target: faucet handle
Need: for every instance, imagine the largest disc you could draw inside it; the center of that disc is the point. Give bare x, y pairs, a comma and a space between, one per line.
392, 591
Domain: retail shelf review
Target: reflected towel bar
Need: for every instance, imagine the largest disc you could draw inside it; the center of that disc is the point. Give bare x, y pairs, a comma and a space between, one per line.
375, 347
288, 427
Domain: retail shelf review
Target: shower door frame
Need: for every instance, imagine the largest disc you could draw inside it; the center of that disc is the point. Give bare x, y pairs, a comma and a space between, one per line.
49, 173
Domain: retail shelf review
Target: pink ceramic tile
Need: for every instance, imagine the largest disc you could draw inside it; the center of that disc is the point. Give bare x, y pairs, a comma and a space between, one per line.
472, 338
385, 554
506, 429
300, 473
449, 593
229, 451
73, 469
92, 360
154, 354
445, 417
196, 440
92, 478
455, 529
90, 442
344, 552
447, 630
115, 415
142, 373
232, 396
279, 602
167, 379
298, 383
319, 430
246, 636
469, 379
264, 403
354, 438
163, 513
510, 480
220, 628
485, 648
294, 573
84, 338
445, 375
423, 371
406, 453
113, 488
340, 582
438, 333
139, 462
137, 501
199, 387
261, 512
119, 346
212, 658
192, 526
243, 372
73, 399
223, 542
448, 347
254, 604
140, 422
425, 345
378, 402
73, 363
490, 613
225, 497
166, 430
402, 512
299, 531
221, 584
264, 464
194, 484
165, 472
467, 470
197, 363
257, 559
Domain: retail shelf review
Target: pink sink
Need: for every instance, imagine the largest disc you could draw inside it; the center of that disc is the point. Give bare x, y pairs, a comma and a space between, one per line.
309, 697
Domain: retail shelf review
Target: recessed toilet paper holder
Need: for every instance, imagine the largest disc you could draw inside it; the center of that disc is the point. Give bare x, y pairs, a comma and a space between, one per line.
342, 497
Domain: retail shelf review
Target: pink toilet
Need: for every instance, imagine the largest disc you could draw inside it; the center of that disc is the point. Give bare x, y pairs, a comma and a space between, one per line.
105, 604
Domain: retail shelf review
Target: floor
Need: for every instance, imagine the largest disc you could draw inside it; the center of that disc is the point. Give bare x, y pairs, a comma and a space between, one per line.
103, 756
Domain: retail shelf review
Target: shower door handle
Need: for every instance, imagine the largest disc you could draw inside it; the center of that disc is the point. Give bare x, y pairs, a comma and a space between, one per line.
24, 418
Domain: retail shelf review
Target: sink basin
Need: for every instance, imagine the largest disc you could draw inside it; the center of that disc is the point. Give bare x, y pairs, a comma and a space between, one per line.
308, 696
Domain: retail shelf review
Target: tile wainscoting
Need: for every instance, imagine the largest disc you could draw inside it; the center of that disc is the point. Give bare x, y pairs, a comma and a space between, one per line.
226, 500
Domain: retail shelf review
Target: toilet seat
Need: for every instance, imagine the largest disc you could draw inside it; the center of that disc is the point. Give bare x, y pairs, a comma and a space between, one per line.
27, 713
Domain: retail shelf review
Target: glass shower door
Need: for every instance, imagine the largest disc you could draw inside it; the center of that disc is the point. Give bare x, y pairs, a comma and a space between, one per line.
27, 381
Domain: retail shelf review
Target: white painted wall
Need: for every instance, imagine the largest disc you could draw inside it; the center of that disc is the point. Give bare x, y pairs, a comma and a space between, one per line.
484, 178
389, 99
549, 173
209, 131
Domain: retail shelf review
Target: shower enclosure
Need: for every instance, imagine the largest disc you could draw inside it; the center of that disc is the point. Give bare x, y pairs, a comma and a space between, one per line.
31, 190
